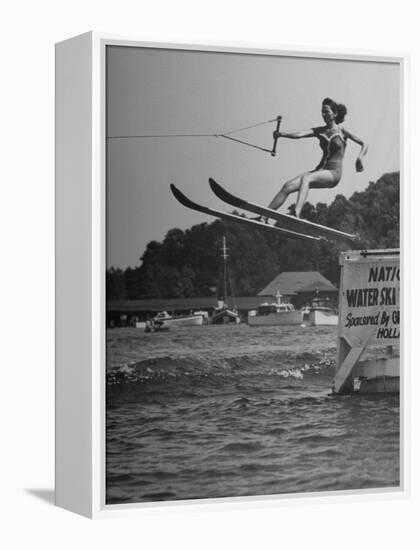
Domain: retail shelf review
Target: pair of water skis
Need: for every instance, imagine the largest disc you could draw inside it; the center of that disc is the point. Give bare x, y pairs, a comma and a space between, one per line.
286, 225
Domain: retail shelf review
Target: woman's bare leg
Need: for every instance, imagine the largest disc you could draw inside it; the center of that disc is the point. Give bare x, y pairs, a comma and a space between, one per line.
291, 186
319, 180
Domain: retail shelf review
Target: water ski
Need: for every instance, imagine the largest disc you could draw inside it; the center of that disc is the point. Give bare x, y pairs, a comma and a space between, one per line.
285, 221
185, 201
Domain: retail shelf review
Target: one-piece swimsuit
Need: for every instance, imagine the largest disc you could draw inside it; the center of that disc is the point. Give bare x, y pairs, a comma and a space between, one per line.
333, 149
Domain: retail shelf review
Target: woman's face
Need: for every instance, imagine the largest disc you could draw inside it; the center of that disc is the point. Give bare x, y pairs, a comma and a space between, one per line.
328, 114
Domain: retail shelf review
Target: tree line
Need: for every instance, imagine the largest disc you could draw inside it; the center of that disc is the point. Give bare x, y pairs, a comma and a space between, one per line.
188, 262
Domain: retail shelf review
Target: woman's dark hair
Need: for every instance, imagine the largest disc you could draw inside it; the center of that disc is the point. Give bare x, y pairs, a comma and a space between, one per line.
338, 108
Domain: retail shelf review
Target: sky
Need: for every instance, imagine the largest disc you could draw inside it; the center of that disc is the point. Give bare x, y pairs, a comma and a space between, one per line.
162, 91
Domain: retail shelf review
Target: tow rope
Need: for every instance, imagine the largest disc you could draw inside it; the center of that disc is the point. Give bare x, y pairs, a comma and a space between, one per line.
226, 135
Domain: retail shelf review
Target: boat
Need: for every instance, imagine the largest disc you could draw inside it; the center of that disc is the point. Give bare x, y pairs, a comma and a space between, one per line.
166, 320
223, 314
275, 313
322, 313
204, 314
152, 326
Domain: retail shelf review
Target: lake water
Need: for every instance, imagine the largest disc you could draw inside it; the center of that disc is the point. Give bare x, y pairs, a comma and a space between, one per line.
223, 411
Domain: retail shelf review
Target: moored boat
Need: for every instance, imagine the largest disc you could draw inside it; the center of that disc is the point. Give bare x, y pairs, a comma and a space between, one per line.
321, 313
275, 313
223, 315
151, 326
166, 320
204, 315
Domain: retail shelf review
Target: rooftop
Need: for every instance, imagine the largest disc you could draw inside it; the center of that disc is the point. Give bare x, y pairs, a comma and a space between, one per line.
292, 282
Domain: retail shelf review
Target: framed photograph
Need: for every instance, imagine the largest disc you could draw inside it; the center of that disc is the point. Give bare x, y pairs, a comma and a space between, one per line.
228, 274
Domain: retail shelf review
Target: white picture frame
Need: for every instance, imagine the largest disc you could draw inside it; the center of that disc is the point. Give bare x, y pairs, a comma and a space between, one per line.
80, 272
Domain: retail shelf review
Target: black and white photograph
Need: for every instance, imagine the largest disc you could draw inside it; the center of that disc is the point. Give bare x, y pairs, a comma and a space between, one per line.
252, 274
210, 275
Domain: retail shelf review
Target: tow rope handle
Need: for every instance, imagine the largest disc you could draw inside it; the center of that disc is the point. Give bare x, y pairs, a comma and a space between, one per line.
273, 151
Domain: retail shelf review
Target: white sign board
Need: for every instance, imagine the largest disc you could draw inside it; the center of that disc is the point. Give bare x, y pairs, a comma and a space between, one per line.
370, 300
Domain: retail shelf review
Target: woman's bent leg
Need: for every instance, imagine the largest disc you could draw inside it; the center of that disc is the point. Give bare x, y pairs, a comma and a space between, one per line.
319, 180
291, 186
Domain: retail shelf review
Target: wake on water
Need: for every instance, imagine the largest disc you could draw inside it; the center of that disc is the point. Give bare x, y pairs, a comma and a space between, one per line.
159, 369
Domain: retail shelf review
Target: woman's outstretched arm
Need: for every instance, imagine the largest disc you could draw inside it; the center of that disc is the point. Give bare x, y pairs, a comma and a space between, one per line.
363, 149
294, 135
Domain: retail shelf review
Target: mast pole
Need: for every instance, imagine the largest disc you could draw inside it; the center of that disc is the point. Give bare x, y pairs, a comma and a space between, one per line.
225, 257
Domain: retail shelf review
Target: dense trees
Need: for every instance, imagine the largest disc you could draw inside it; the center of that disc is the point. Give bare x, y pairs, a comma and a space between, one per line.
188, 263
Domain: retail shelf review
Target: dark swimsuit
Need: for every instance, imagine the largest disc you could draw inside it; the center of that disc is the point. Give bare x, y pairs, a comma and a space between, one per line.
333, 149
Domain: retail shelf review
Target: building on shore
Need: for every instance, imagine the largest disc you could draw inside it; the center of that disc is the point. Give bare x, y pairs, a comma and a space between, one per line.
300, 288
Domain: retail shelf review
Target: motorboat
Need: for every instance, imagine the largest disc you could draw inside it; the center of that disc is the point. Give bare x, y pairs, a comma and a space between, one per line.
164, 319
275, 313
321, 312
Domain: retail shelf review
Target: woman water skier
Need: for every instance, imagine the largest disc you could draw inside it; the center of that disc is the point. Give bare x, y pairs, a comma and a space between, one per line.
332, 140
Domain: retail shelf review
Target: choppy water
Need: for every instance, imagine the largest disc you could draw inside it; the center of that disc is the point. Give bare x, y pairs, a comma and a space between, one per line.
222, 411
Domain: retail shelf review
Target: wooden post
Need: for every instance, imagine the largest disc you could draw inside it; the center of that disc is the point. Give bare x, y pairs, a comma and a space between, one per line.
341, 384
